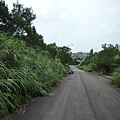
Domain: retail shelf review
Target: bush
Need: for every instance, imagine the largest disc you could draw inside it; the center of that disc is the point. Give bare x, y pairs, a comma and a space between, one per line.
89, 68
116, 77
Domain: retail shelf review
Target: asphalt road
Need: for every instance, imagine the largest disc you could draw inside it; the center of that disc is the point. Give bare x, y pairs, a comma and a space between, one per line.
80, 96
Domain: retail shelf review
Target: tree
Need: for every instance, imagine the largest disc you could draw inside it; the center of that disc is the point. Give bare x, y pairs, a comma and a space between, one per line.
21, 20
5, 17
65, 55
33, 38
52, 49
91, 51
106, 58
18, 23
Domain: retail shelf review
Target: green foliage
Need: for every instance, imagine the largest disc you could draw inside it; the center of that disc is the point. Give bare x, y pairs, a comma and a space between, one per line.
104, 61
107, 60
116, 77
89, 68
21, 21
5, 16
18, 23
65, 55
25, 72
52, 49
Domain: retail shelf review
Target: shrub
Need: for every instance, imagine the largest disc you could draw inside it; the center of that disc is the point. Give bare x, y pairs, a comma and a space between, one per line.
116, 77
89, 68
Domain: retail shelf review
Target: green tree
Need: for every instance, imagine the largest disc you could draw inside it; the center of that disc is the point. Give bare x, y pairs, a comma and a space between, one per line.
34, 39
21, 20
5, 17
18, 23
52, 49
106, 57
65, 55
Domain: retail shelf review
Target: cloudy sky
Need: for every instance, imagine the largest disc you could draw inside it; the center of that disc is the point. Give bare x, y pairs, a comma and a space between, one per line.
80, 24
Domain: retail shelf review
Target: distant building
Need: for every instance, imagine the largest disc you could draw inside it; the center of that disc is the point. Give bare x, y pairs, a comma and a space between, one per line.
80, 56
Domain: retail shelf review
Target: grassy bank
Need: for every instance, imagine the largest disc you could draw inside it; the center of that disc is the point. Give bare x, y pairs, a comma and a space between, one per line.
25, 73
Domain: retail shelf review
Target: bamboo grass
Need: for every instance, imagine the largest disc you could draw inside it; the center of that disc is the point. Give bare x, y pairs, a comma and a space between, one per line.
25, 73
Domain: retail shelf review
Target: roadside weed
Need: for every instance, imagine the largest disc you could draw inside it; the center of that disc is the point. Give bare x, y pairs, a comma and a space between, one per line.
25, 72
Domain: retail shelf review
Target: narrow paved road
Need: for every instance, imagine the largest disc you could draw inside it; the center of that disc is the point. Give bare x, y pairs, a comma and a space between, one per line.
81, 96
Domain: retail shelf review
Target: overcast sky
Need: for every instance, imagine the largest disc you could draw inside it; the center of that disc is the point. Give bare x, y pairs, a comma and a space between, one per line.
81, 25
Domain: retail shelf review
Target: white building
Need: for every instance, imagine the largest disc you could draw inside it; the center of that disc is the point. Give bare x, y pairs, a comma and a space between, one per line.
80, 56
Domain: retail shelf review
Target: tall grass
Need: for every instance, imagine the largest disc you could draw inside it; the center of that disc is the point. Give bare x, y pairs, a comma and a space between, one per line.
24, 73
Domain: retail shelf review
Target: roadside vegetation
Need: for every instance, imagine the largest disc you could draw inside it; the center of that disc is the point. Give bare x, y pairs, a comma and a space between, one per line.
107, 61
25, 73
116, 77
28, 66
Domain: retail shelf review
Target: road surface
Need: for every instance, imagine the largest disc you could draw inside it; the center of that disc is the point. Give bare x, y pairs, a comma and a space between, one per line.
80, 96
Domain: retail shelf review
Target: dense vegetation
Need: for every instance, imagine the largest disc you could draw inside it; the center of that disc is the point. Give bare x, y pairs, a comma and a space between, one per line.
28, 66
107, 61
116, 77
18, 23
25, 73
